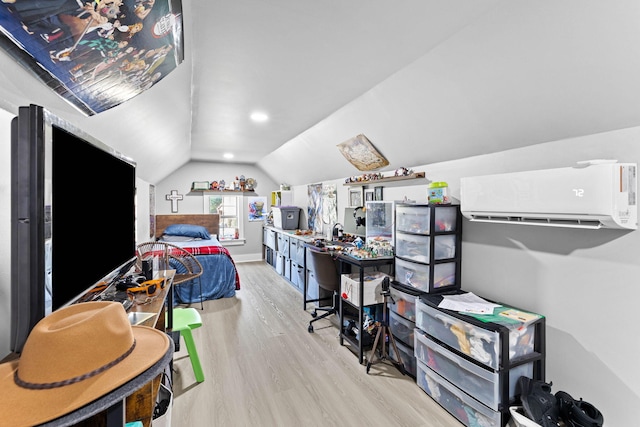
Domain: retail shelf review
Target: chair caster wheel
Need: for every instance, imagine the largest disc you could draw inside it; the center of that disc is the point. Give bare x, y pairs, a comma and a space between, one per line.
314, 314
310, 329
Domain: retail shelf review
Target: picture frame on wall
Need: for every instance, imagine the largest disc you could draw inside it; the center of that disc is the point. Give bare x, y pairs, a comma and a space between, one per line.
377, 193
355, 197
369, 195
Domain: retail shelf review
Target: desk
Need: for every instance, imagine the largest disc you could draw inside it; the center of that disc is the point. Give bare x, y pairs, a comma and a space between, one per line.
361, 264
157, 304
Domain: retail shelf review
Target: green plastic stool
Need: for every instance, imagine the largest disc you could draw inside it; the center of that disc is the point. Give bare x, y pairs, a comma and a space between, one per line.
185, 320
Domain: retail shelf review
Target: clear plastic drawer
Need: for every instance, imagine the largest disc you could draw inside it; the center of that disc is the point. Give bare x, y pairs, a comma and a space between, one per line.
465, 408
416, 247
481, 344
401, 328
407, 357
403, 303
416, 275
482, 384
417, 219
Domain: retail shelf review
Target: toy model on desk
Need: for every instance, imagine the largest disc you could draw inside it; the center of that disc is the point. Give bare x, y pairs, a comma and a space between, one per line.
383, 330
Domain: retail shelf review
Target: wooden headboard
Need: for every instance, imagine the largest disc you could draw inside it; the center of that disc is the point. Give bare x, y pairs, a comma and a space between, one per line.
210, 221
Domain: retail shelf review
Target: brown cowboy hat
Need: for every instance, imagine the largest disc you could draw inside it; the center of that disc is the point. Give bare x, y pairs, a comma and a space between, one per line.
73, 356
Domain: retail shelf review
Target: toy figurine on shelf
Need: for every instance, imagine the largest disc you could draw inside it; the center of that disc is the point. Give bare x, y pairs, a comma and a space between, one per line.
242, 183
251, 184
214, 185
221, 185
403, 172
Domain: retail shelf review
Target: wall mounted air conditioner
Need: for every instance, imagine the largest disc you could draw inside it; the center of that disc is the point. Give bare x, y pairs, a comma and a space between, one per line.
594, 194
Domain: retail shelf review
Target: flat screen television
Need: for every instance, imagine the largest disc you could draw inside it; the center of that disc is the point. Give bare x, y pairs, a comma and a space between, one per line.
73, 216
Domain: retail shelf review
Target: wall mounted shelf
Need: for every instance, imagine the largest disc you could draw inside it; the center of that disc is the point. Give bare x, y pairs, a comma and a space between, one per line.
201, 192
374, 182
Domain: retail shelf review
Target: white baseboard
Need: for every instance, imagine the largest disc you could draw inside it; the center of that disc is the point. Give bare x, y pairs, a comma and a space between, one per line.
247, 258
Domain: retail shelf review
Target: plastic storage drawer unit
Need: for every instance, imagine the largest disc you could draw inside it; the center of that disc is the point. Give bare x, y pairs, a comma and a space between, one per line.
480, 383
479, 343
465, 408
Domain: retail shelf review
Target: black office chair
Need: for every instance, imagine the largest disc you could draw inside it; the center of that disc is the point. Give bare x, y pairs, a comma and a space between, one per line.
325, 270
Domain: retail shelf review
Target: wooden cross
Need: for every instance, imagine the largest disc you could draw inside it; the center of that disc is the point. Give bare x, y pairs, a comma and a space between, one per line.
174, 197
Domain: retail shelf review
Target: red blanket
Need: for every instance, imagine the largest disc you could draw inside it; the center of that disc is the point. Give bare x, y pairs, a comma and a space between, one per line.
214, 250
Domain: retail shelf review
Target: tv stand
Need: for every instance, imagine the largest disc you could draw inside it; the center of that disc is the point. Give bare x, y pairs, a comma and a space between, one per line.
112, 406
135, 400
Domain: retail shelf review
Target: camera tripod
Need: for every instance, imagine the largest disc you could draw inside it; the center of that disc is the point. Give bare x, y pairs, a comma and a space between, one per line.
383, 334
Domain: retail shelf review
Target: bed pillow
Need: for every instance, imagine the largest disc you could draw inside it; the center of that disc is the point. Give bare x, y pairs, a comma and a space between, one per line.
188, 230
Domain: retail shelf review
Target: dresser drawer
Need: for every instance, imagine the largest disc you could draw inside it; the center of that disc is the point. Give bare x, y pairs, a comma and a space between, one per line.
481, 344
465, 408
482, 384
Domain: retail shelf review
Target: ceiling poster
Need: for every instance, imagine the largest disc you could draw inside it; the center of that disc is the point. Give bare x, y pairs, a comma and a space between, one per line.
95, 54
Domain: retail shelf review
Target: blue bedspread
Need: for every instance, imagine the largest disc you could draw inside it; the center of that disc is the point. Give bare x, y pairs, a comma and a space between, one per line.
219, 279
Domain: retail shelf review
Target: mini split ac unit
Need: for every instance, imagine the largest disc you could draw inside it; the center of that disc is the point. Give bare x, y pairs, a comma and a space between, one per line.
594, 194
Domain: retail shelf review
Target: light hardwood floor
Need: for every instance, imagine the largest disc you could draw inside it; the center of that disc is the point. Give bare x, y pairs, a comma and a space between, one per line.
263, 368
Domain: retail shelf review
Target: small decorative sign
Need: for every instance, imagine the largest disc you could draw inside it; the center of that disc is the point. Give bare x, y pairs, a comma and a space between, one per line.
199, 185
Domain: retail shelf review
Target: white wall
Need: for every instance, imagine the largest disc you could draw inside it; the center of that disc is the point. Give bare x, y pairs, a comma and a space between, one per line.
5, 231
585, 282
193, 203
142, 211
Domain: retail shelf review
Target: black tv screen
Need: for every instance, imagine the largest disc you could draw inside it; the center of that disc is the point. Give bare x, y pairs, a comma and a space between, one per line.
93, 212
73, 216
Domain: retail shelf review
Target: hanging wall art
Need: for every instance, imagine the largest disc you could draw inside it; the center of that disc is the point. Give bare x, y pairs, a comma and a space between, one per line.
91, 54
362, 154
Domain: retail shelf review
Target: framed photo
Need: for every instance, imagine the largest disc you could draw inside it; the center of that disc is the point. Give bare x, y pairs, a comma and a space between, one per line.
368, 195
377, 193
355, 197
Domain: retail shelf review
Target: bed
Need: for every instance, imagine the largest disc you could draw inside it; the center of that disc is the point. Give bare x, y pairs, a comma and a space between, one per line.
220, 278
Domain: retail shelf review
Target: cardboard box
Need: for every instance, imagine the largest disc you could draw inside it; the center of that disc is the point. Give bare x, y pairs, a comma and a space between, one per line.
372, 288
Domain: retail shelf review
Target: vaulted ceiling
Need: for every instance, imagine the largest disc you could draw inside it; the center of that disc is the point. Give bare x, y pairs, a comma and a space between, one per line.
425, 80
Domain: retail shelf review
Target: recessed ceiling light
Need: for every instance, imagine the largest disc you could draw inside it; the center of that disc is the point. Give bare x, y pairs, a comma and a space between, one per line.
259, 117
228, 155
